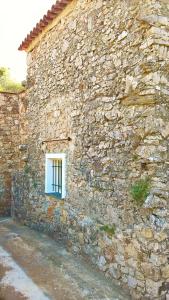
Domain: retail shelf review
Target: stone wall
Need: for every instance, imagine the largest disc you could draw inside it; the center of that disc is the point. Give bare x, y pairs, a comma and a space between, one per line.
101, 77
9, 139
13, 125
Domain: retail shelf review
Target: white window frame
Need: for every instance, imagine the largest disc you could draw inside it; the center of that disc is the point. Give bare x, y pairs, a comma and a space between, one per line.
48, 174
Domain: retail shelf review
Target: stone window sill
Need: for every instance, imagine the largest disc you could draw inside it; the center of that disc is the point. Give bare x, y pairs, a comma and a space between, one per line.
54, 195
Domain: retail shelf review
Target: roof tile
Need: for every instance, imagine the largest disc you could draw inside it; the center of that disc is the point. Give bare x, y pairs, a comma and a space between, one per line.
55, 10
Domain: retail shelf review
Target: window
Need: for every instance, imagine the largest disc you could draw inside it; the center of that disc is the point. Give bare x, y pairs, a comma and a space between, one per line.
55, 175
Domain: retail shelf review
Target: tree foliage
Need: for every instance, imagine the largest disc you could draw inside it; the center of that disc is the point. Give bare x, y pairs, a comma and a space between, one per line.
7, 84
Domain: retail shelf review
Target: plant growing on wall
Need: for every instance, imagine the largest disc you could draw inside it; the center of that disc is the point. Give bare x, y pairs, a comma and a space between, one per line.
140, 190
110, 230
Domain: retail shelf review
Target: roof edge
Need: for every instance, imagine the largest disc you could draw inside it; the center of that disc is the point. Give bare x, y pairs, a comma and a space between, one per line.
43, 25
12, 93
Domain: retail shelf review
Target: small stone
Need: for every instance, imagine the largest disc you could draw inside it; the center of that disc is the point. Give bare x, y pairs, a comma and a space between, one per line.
65, 46
165, 131
158, 260
81, 238
165, 272
72, 25
75, 249
158, 222
122, 35
152, 287
131, 251
147, 233
101, 262
150, 271
115, 271
139, 275
167, 296
23, 147
109, 254
78, 62
90, 24
162, 236
24, 158
132, 282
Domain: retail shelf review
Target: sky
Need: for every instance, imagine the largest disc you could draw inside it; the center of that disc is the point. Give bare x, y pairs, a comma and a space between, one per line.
17, 19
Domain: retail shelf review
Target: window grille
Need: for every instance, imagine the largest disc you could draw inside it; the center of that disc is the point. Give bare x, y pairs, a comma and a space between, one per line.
55, 175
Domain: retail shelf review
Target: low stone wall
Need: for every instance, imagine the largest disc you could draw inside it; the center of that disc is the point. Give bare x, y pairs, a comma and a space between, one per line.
13, 134
9, 140
101, 77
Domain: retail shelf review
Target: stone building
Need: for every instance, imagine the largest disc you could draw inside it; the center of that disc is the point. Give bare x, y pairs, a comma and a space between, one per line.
93, 137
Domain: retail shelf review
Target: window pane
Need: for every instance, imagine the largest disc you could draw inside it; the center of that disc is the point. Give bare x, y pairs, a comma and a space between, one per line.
57, 176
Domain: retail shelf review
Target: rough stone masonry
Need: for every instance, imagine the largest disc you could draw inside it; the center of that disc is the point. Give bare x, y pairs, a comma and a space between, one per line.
100, 76
9, 142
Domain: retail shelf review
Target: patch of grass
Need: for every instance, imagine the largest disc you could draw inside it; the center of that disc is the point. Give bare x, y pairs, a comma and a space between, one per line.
109, 230
140, 190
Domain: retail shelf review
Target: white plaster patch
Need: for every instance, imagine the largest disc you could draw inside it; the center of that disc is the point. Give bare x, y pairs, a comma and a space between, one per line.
15, 277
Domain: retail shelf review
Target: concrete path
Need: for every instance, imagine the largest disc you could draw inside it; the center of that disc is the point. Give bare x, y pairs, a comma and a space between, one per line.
34, 267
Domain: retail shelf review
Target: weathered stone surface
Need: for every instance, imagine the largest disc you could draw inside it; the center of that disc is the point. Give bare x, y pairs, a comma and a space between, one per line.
109, 253
101, 263
165, 272
131, 251
147, 233
115, 270
152, 287
132, 282
9, 141
150, 271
